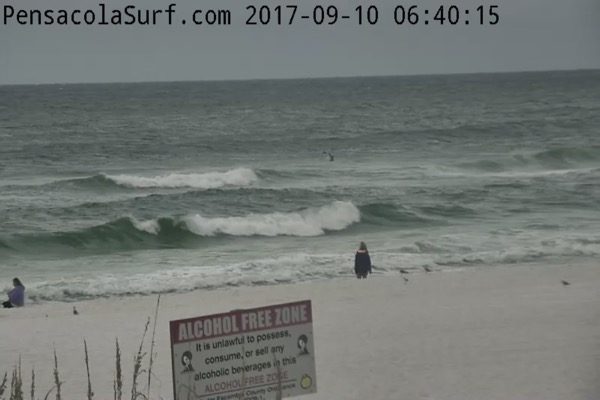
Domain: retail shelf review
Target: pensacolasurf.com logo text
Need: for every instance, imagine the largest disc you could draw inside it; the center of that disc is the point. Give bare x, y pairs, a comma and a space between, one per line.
103, 14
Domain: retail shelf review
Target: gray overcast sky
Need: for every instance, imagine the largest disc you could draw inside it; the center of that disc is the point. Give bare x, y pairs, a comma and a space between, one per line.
531, 35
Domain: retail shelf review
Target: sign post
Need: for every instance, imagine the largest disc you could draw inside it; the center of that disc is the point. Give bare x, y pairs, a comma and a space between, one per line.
252, 354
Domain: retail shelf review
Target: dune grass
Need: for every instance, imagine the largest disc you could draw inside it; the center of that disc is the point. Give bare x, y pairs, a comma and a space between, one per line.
14, 389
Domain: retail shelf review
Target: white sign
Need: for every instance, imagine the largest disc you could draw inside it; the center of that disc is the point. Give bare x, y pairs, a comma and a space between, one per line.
255, 354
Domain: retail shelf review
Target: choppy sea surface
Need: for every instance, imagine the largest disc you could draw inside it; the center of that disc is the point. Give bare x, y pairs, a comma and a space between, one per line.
120, 189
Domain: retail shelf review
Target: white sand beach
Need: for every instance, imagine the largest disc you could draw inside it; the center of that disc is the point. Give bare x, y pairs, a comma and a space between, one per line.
506, 332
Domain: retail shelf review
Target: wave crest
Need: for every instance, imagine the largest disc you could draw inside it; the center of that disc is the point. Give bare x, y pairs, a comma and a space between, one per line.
310, 222
129, 233
207, 180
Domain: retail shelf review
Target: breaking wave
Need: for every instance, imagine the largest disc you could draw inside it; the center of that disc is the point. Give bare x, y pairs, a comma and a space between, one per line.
310, 222
190, 230
205, 180
129, 233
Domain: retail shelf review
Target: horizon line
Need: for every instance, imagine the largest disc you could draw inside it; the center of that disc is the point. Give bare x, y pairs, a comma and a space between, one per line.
509, 72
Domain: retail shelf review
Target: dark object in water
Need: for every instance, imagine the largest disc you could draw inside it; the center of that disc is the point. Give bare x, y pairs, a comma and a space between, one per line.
426, 268
75, 312
565, 283
403, 271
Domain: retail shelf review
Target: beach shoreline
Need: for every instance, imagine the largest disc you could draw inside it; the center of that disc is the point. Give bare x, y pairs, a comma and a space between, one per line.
503, 332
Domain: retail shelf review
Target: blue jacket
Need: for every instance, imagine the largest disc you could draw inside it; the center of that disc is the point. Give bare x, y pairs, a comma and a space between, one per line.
17, 296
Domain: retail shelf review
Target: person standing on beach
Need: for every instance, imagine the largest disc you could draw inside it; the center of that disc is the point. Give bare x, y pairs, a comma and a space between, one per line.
16, 296
362, 262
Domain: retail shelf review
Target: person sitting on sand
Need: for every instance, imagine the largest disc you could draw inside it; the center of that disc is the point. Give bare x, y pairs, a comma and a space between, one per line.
362, 262
16, 296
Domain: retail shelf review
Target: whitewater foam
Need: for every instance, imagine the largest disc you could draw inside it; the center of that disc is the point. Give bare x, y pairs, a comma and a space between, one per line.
310, 222
207, 180
187, 272
185, 277
149, 226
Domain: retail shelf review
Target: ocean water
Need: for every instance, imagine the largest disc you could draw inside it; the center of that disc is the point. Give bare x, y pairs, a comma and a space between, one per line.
121, 189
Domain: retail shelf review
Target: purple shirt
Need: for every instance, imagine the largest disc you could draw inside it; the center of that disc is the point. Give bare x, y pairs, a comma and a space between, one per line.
17, 296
